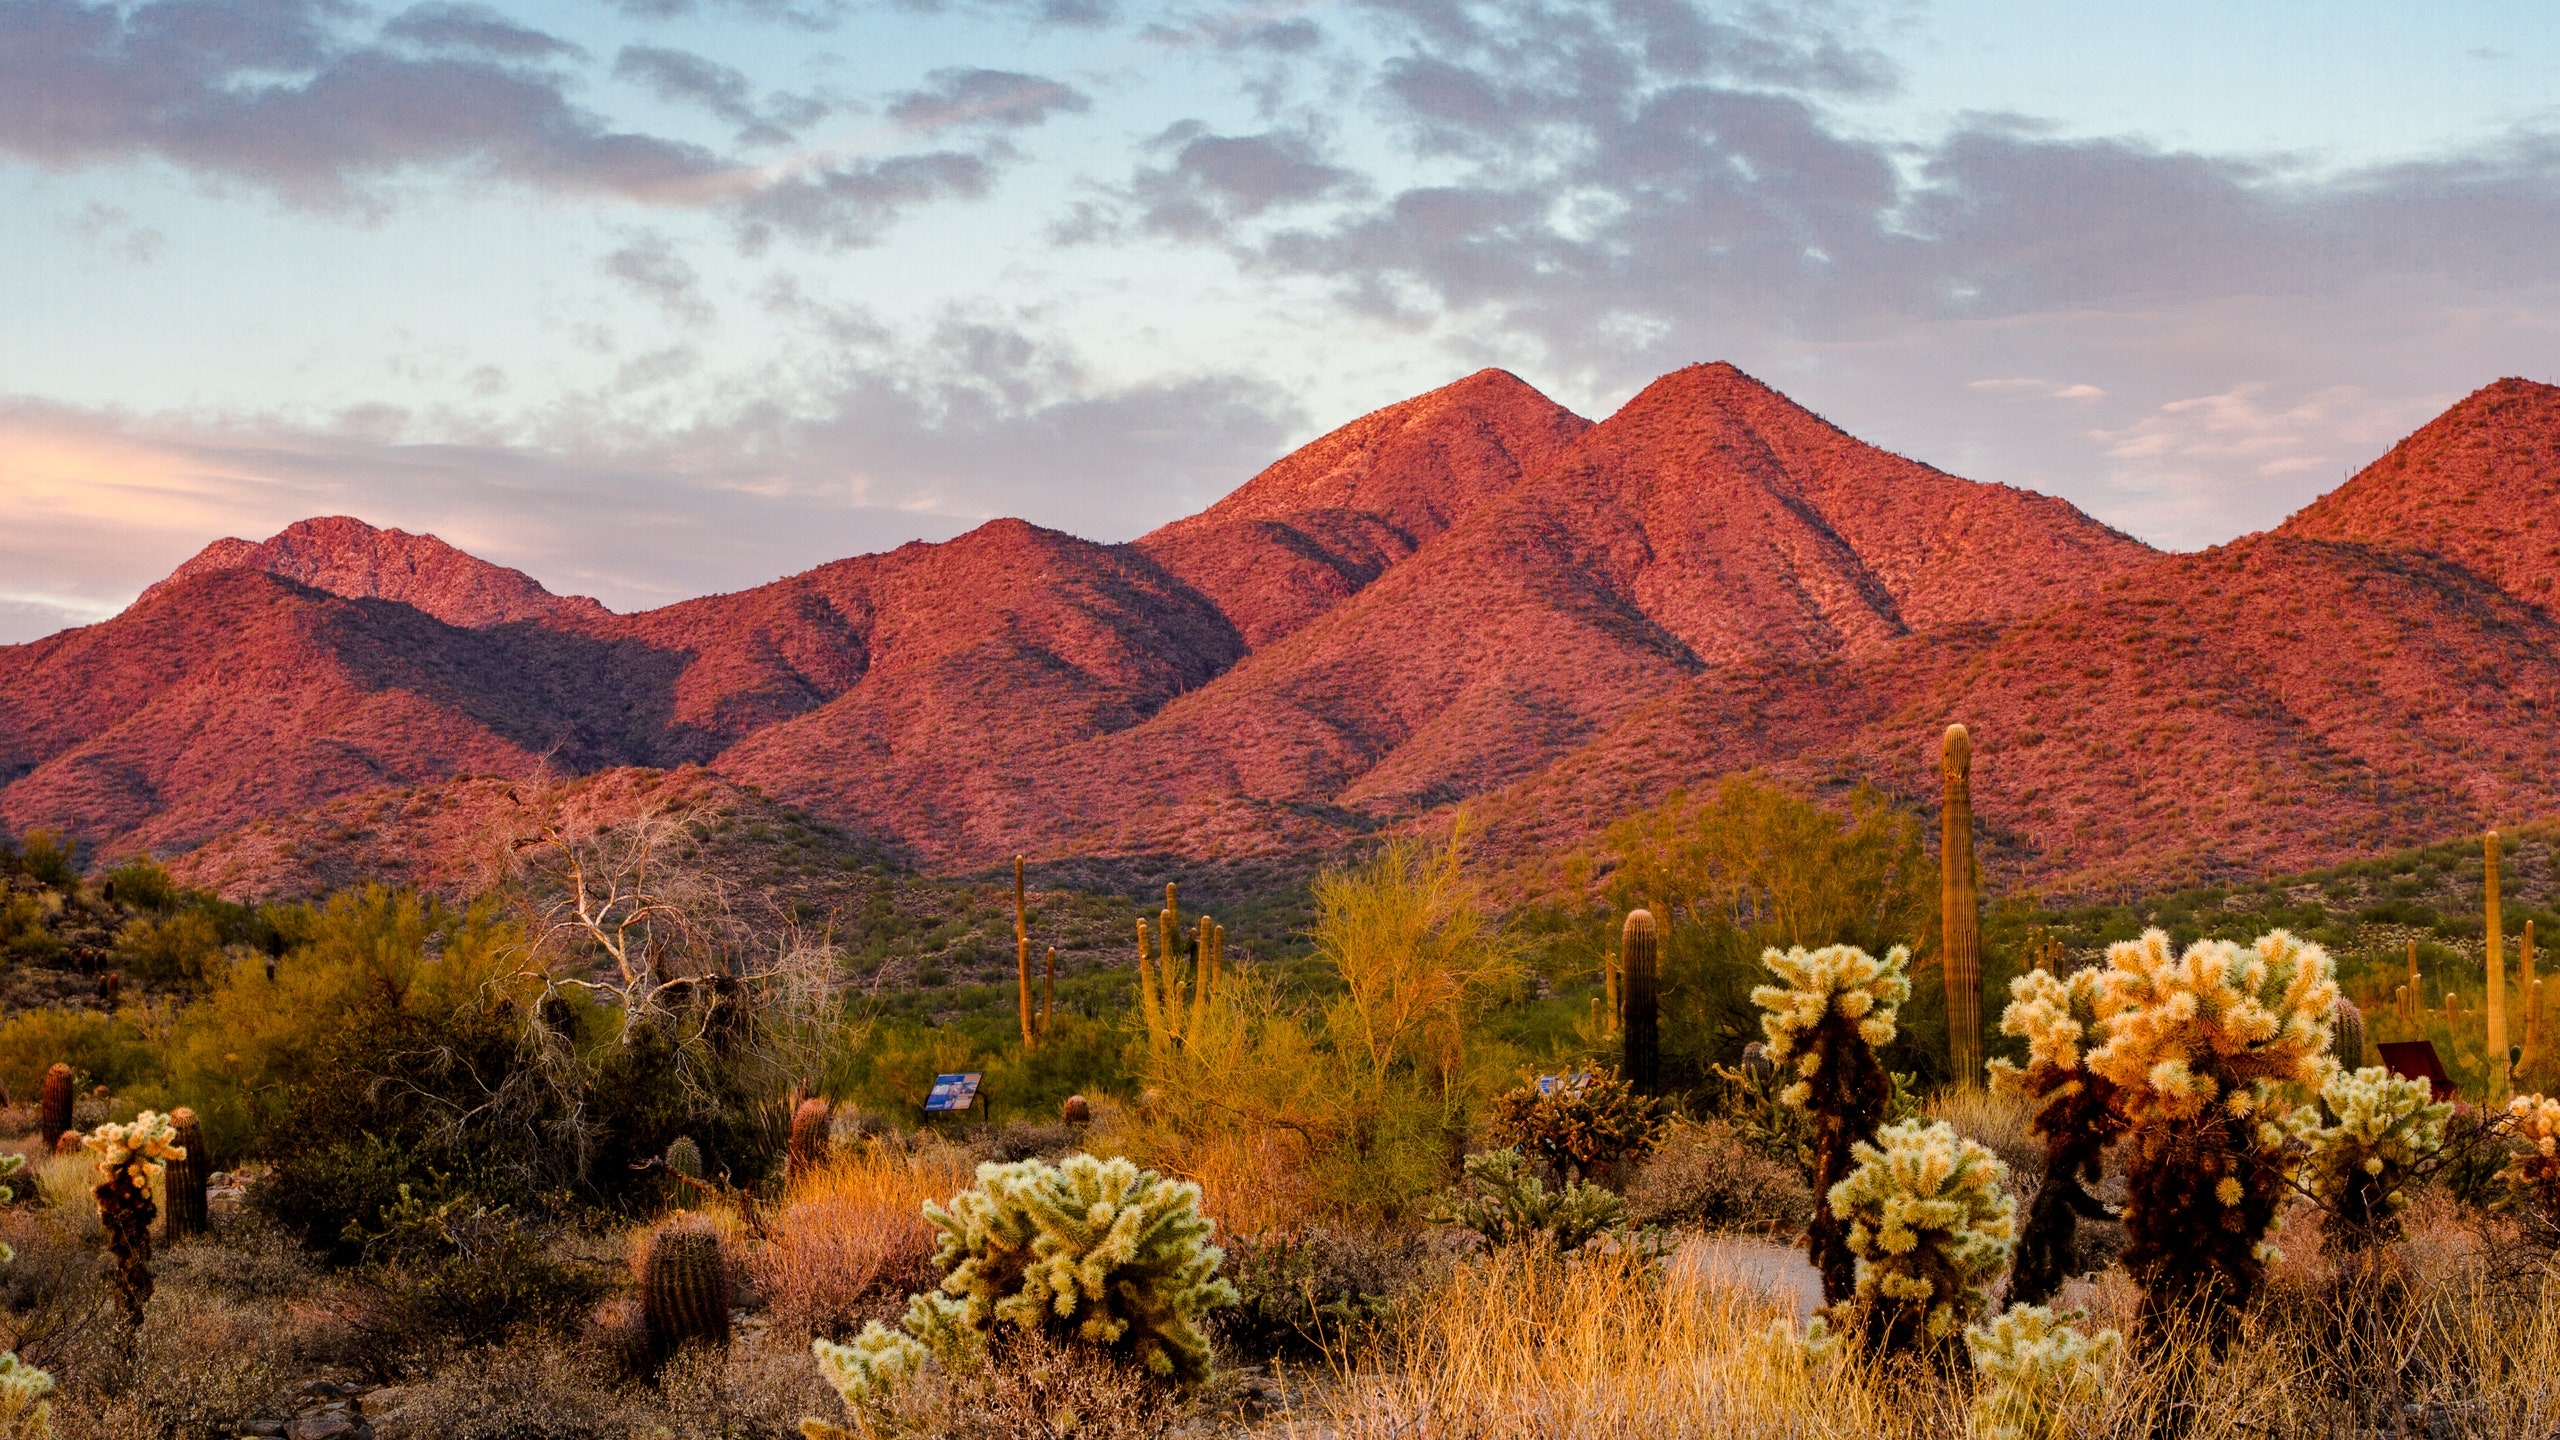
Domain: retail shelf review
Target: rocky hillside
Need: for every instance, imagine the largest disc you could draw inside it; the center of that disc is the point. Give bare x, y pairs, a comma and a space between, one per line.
1473, 597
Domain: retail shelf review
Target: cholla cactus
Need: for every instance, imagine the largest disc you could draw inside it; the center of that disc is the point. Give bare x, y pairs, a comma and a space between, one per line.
2036, 1369
130, 1157
2357, 1166
1931, 1229
2076, 1118
2533, 1175
1836, 1008
25, 1412
2201, 1047
1092, 1250
1503, 1200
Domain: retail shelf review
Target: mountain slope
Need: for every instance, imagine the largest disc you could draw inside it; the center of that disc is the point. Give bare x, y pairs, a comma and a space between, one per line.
345, 556
1330, 517
2478, 484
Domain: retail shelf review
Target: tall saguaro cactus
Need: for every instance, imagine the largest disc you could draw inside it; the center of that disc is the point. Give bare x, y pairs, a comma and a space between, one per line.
1175, 998
2497, 1015
1640, 1023
1022, 956
1960, 936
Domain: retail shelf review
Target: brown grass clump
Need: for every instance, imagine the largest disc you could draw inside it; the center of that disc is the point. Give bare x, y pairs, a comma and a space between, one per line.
1998, 1120
1704, 1176
850, 1240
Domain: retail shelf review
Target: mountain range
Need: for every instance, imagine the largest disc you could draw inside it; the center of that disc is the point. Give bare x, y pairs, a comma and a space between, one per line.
1474, 597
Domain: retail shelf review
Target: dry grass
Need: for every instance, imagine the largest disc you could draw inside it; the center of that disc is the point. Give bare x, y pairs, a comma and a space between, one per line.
1531, 1347
1997, 1120
850, 1240
1251, 1183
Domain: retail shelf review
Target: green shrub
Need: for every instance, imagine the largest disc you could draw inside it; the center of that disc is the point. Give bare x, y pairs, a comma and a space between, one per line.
50, 858
330, 1198
184, 947
1584, 1125
140, 883
102, 1049
462, 1272
1308, 1294
1502, 1200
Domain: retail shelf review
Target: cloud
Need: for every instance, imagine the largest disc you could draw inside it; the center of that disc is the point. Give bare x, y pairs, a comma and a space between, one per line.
848, 205
652, 269
1002, 99
1213, 182
272, 95
475, 29
1065, 14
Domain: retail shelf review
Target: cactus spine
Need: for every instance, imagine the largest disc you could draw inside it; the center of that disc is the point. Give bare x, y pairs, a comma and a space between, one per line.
2346, 1031
188, 1179
1639, 1020
809, 1124
54, 1115
1960, 935
2497, 1016
1022, 951
684, 1288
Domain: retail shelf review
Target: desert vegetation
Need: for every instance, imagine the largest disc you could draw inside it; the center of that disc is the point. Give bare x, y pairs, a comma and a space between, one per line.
1659, 1137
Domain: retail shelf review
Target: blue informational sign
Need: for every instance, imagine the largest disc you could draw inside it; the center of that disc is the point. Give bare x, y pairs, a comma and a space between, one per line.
1550, 1084
951, 1092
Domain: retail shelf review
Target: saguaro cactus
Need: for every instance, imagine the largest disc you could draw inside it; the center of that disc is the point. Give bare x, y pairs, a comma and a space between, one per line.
1960, 935
189, 1177
2529, 995
1640, 1022
2497, 1007
1176, 998
53, 1115
684, 1288
1022, 954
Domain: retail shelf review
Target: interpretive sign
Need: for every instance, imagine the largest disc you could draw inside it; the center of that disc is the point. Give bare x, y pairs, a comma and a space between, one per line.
2416, 1060
951, 1092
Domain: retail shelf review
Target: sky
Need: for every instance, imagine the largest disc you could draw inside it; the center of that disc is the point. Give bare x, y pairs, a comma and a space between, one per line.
654, 298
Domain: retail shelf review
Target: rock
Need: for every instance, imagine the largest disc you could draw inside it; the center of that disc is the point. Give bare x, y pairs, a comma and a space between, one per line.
331, 1425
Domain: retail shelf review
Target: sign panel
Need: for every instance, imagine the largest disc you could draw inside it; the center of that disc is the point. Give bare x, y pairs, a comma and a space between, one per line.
951, 1092
2416, 1060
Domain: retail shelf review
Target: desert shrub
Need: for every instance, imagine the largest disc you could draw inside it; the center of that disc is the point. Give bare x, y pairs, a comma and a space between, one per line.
251, 1261
49, 858
102, 1049
1998, 1120
1501, 1200
140, 883
1029, 1140
1588, 1124
1305, 1295
524, 1391
458, 1271
850, 1235
184, 947
329, 1197
1097, 1252
1931, 1227
1704, 1176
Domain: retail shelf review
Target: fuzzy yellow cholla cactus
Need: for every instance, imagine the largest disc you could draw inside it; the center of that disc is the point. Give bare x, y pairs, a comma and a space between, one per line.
2076, 1118
2207, 1050
2190, 1030
1825, 1021
2385, 1125
2036, 1369
1836, 979
2533, 1175
141, 1149
1931, 1227
2054, 1015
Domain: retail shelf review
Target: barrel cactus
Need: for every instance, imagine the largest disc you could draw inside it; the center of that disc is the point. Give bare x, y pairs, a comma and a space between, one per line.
190, 1177
1931, 1227
685, 1158
2202, 1046
2346, 1034
684, 1288
1835, 1008
2036, 1369
1092, 1251
53, 1112
811, 1122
